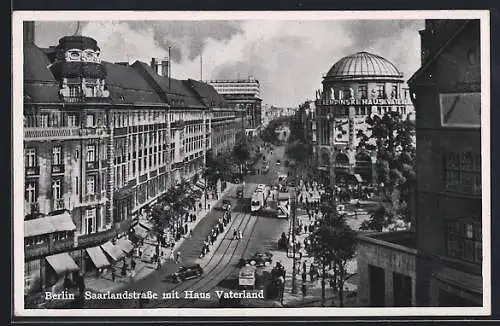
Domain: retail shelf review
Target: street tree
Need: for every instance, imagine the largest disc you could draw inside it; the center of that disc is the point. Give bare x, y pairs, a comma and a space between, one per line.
392, 138
300, 153
241, 153
176, 202
333, 245
380, 218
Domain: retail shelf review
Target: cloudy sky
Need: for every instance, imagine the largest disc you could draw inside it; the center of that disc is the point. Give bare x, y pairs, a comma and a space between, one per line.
288, 57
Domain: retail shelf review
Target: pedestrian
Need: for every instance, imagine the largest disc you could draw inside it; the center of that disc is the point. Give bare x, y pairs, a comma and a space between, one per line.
171, 256
208, 206
132, 264
178, 257
112, 274
304, 290
190, 233
185, 228
235, 235
304, 276
304, 266
240, 235
158, 264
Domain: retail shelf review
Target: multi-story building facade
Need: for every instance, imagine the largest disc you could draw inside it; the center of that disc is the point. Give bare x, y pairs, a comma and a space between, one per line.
243, 94
447, 98
357, 86
440, 262
101, 142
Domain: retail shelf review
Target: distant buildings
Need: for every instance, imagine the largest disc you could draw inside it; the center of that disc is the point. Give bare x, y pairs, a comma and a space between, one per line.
242, 94
102, 141
357, 86
270, 113
440, 264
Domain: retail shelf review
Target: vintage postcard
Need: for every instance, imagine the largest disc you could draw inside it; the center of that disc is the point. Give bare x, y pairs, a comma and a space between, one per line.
251, 163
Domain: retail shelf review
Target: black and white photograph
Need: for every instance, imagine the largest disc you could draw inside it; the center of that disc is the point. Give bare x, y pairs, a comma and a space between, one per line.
215, 163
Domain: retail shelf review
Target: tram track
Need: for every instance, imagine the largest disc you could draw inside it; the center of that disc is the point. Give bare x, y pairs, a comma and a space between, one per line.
215, 270
220, 272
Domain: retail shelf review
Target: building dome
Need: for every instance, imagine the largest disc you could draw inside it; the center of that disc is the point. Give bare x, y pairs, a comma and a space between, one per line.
363, 65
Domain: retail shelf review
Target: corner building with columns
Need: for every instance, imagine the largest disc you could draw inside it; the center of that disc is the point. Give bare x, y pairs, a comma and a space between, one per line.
357, 86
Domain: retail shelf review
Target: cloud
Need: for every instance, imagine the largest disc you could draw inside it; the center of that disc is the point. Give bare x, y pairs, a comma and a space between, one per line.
289, 58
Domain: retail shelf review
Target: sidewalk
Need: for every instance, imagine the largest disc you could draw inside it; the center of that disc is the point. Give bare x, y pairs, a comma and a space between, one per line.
313, 293
144, 268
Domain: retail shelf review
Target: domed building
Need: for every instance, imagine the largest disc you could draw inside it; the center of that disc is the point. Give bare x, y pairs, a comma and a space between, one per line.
357, 86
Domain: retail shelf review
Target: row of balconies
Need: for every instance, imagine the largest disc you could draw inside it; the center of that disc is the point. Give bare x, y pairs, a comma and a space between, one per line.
59, 168
63, 133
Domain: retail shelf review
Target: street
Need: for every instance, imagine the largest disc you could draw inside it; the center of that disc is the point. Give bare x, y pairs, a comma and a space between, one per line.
259, 234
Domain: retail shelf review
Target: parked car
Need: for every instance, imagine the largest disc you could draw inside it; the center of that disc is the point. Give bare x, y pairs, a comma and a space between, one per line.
259, 259
186, 273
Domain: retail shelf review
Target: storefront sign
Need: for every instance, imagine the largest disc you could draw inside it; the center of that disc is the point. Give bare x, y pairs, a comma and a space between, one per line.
365, 101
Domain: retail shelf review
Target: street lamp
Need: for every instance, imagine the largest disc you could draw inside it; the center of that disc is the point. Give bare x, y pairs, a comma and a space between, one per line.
293, 208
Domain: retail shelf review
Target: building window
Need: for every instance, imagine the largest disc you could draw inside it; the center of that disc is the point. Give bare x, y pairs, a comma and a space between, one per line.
72, 121
90, 184
363, 91
56, 189
394, 92
90, 220
380, 89
463, 172
90, 120
43, 120
57, 155
31, 159
31, 192
90, 153
464, 240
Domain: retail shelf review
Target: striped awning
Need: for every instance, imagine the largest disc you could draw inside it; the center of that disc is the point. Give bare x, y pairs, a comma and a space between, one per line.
98, 257
113, 251
62, 263
48, 224
140, 231
125, 245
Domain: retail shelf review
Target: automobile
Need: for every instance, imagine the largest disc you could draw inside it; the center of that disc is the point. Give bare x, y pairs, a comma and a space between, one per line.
278, 162
239, 193
225, 204
259, 259
186, 273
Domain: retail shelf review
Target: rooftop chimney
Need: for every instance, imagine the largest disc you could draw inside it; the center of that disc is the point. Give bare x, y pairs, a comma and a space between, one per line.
29, 32
160, 66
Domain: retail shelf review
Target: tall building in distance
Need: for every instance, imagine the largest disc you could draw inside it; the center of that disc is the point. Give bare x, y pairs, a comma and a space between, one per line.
357, 86
102, 142
243, 94
447, 97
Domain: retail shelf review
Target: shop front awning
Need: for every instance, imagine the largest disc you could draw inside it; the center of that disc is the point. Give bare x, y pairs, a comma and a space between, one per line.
140, 231
461, 280
358, 178
49, 224
125, 245
98, 257
62, 263
113, 251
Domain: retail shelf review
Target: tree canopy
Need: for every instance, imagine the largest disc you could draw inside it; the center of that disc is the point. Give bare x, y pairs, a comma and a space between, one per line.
333, 244
392, 137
